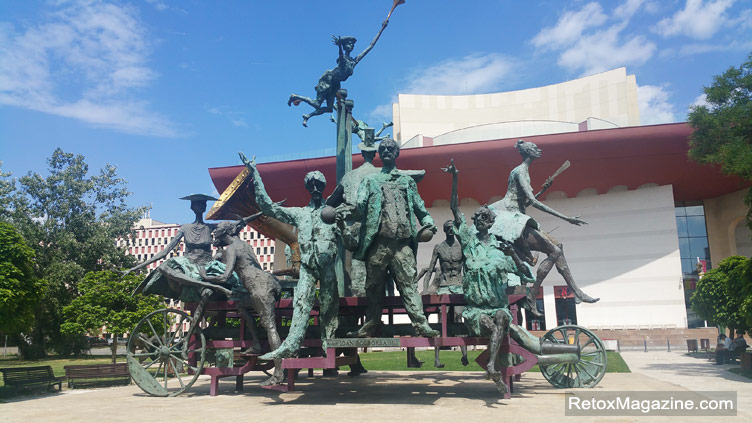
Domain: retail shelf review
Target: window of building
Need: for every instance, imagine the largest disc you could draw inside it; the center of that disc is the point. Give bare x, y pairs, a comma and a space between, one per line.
271, 250
566, 311
693, 250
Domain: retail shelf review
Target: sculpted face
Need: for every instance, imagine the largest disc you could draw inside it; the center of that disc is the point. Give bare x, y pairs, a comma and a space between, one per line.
316, 188
484, 219
449, 228
530, 149
389, 151
198, 207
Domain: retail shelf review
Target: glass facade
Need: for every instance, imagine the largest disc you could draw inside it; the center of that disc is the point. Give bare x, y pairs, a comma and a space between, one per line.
693, 250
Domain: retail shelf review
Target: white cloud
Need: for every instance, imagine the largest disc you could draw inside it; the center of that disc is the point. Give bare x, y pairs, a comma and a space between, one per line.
630, 7
570, 27
383, 112
700, 100
477, 73
86, 61
604, 50
698, 19
234, 117
159, 5
654, 107
473, 74
590, 46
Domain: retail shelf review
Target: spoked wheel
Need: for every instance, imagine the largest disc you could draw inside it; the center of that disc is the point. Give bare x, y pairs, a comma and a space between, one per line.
161, 360
585, 373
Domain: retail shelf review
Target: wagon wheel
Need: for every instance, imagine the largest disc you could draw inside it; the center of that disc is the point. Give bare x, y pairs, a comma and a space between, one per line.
162, 362
585, 373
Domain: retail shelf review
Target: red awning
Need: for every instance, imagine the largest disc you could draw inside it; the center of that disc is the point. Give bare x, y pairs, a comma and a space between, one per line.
600, 159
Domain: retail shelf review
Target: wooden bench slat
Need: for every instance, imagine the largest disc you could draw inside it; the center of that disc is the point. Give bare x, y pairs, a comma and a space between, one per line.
37, 375
90, 373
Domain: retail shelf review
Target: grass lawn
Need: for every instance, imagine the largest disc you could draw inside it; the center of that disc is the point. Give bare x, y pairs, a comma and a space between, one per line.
397, 360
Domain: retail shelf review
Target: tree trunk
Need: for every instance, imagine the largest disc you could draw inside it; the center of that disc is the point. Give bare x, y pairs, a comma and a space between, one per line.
114, 348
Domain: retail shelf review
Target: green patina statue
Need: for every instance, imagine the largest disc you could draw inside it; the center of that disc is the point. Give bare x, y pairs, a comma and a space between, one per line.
332, 79
318, 249
490, 265
179, 277
388, 204
262, 286
514, 226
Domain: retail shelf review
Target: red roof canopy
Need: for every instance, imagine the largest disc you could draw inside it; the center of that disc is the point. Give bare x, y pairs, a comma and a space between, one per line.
600, 159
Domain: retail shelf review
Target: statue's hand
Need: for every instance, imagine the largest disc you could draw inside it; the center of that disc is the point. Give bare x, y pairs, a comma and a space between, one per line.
451, 168
433, 228
336, 39
548, 183
576, 221
505, 246
385, 23
250, 164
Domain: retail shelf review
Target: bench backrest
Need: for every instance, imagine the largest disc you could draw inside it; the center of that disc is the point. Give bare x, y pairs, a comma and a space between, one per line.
97, 370
20, 375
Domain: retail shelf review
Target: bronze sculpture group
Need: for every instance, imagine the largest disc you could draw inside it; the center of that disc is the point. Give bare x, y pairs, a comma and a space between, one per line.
377, 215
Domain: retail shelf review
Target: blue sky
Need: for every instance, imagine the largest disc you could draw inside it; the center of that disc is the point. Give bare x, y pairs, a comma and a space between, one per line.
166, 89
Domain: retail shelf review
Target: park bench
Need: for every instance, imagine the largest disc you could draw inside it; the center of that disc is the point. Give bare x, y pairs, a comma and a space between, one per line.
29, 376
89, 374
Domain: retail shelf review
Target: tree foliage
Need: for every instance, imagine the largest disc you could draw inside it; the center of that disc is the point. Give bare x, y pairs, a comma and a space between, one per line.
724, 295
20, 291
105, 300
723, 127
71, 220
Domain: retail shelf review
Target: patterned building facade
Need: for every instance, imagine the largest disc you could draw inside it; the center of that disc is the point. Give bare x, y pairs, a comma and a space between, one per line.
152, 236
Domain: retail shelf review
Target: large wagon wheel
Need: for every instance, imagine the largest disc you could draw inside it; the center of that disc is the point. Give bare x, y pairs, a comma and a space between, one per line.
585, 373
161, 361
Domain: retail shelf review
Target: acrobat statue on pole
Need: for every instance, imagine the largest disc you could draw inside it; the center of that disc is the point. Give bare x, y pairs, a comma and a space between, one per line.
331, 80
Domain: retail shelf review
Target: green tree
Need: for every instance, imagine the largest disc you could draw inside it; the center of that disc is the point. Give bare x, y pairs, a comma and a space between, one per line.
20, 291
71, 220
105, 300
723, 128
739, 285
718, 298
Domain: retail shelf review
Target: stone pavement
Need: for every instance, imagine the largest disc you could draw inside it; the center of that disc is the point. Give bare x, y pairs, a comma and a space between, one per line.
456, 397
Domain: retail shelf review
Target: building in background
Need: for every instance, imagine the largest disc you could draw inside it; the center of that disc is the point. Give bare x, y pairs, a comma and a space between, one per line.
152, 236
652, 213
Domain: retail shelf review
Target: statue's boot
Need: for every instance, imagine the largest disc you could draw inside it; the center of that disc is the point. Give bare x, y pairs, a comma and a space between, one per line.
367, 330
423, 329
531, 305
357, 369
548, 347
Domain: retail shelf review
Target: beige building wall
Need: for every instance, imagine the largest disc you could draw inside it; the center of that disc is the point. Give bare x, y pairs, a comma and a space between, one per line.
628, 255
727, 232
610, 96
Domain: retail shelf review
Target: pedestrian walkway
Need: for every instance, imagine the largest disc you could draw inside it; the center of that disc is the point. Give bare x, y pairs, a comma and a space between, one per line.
692, 373
427, 396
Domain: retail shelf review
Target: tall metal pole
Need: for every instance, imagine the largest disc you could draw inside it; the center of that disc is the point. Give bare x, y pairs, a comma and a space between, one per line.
344, 165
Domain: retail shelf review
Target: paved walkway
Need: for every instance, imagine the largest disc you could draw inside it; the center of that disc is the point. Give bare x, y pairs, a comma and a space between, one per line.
455, 397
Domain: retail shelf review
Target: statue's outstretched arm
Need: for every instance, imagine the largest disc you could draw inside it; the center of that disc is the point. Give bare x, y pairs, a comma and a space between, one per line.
528, 193
160, 255
265, 203
454, 203
373, 43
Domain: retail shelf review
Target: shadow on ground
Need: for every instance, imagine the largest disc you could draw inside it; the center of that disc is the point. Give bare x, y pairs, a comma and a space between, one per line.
379, 388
